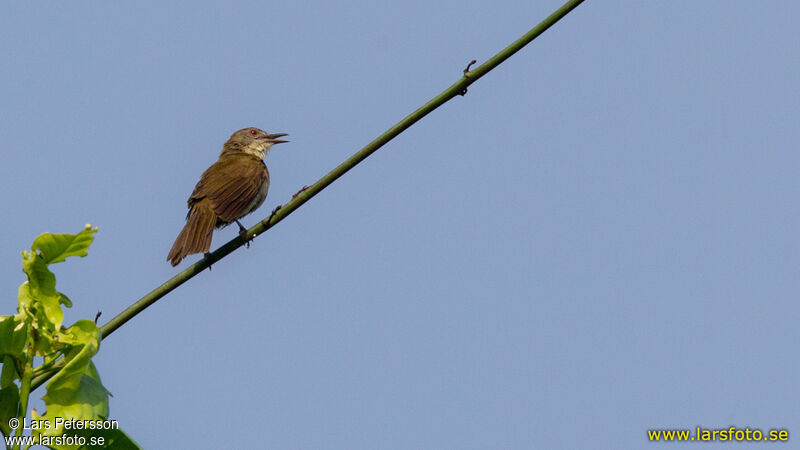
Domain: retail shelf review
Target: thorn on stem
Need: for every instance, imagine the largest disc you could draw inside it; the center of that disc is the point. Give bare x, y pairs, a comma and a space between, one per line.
97, 316
466, 75
466, 71
269, 219
299, 192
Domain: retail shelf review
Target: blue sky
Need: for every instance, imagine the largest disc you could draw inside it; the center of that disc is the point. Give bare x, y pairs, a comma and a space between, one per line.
599, 239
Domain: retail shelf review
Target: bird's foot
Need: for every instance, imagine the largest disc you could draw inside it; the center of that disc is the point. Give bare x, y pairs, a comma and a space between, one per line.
207, 255
243, 234
299, 192
242, 229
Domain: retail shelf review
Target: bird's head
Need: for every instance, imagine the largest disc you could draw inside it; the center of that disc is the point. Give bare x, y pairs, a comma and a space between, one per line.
253, 141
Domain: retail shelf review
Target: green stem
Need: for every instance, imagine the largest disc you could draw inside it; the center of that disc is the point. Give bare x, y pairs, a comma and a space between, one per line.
24, 393
44, 375
458, 88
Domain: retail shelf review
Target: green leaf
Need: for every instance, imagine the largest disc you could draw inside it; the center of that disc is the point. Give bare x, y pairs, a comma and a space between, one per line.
13, 334
64, 300
9, 372
40, 279
9, 405
55, 248
45, 344
45, 315
25, 298
38, 295
83, 332
51, 308
78, 396
76, 391
84, 338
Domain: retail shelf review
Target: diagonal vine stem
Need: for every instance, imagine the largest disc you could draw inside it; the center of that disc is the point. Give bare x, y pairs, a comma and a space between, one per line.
457, 88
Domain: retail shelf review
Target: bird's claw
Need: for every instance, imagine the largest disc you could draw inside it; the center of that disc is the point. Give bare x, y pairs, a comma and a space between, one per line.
243, 234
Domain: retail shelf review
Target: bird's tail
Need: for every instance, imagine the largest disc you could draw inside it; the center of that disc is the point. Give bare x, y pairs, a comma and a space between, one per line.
196, 234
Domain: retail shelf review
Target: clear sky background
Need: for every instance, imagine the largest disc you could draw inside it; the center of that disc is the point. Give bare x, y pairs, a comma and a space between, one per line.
601, 238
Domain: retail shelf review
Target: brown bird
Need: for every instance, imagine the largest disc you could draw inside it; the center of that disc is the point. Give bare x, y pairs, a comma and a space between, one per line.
230, 189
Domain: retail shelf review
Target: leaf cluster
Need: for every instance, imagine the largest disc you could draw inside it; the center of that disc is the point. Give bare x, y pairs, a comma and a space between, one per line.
36, 335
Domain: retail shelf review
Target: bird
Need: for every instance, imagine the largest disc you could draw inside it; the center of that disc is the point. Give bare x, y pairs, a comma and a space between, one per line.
230, 189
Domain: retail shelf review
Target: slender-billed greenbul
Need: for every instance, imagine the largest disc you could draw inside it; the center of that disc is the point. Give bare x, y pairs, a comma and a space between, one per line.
230, 189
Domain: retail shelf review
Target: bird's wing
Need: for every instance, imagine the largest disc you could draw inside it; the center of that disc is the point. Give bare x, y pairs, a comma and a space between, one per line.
232, 184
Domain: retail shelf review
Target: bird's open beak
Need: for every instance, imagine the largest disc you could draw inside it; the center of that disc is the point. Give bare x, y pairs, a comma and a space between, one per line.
273, 138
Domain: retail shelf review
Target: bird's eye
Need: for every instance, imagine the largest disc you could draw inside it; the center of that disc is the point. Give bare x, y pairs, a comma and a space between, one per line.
253, 132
